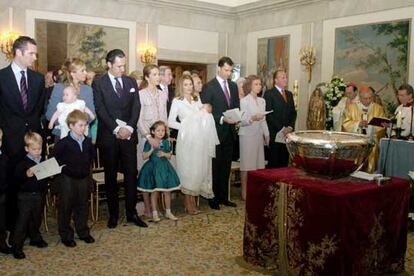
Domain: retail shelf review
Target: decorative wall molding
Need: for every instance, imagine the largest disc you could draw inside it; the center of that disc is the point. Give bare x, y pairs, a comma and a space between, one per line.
192, 6
187, 6
185, 39
269, 6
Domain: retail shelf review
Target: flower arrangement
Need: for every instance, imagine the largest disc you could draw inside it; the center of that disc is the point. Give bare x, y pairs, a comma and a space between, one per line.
334, 93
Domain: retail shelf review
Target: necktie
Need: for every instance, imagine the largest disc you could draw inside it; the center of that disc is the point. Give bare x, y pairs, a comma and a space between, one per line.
226, 92
23, 90
118, 88
283, 93
165, 89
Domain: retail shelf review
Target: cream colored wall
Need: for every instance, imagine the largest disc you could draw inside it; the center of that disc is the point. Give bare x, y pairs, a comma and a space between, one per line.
310, 18
140, 14
233, 33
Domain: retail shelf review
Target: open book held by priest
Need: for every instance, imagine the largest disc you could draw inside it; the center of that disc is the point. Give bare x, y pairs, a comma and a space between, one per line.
378, 121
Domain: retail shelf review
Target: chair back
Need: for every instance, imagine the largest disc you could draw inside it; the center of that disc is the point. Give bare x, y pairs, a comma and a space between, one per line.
97, 164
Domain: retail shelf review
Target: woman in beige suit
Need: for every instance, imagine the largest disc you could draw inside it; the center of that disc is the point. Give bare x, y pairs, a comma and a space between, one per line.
253, 132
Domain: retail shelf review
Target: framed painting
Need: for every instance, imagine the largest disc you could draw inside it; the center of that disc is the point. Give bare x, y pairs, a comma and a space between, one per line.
375, 55
88, 42
284, 46
61, 36
272, 54
274, 48
371, 49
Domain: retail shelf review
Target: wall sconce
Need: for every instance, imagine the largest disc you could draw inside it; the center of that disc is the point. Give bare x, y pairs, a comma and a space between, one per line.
148, 53
308, 59
6, 44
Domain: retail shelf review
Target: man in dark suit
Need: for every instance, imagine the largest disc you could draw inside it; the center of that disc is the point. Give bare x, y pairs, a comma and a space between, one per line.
117, 106
165, 85
283, 117
21, 105
222, 94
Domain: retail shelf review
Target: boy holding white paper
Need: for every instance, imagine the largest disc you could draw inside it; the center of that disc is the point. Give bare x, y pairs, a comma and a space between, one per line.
30, 199
76, 153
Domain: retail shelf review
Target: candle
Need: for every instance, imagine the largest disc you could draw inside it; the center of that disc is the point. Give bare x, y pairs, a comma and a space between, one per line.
399, 119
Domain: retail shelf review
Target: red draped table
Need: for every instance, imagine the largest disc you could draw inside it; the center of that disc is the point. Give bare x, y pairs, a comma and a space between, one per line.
299, 224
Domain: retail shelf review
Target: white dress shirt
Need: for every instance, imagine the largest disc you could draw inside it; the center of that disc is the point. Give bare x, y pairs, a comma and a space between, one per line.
16, 71
113, 81
221, 82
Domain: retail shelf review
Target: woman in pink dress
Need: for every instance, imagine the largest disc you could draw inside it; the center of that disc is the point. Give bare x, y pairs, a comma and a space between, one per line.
153, 108
253, 132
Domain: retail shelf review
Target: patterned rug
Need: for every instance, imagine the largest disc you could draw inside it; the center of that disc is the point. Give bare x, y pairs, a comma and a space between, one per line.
208, 243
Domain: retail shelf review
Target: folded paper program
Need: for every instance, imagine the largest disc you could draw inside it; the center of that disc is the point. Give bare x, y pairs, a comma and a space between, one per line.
46, 169
233, 114
280, 136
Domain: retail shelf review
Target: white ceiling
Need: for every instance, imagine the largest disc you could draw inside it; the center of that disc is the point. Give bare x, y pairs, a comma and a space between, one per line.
230, 3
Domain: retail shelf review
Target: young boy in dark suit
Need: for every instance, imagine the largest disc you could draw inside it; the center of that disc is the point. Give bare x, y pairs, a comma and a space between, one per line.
30, 198
76, 152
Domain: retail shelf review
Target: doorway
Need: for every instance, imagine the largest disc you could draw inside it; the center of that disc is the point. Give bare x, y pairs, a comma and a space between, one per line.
178, 68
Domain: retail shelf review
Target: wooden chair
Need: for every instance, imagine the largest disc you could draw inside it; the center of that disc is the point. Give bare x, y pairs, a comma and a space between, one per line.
235, 168
49, 147
98, 176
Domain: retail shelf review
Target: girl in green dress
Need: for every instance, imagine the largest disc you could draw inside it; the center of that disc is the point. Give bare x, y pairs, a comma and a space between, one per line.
157, 174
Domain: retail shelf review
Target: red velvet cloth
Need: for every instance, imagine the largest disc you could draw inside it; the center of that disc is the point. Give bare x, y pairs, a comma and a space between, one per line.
300, 224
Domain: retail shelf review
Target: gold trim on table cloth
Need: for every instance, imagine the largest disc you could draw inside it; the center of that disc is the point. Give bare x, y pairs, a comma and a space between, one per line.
291, 257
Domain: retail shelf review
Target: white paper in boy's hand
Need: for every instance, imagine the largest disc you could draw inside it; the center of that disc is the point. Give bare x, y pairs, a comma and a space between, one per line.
233, 114
120, 123
46, 169
267, 112
280, 137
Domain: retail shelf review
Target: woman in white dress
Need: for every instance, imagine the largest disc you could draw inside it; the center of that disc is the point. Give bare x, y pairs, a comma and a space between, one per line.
253, 132
153, 108
196, 143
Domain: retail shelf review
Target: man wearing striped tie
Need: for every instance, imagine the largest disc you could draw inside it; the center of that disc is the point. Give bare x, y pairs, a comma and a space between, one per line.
222, 94
22, 97
118, 107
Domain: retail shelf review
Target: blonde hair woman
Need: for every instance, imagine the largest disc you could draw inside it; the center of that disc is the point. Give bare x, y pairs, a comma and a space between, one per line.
196, 143
74, 74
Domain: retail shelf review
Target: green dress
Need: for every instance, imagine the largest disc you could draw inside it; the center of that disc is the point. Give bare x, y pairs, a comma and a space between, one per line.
157, 174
